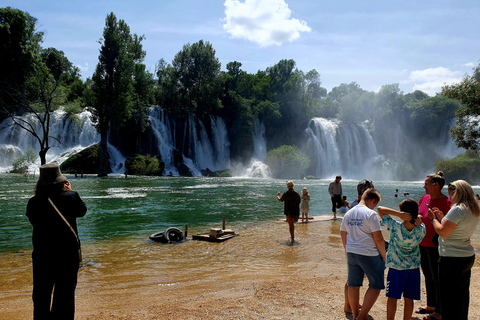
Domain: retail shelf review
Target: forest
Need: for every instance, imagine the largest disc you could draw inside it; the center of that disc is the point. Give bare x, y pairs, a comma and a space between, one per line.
121, 91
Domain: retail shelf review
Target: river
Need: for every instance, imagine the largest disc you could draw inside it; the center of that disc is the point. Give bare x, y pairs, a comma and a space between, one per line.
135, 207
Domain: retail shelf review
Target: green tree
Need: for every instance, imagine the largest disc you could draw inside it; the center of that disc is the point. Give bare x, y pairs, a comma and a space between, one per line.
112, 89
191, 84
465, 132
19, 49
40, 90
287, 162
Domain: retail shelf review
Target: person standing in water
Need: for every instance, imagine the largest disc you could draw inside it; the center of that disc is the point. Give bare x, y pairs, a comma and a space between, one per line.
305, 207
291, 200
335, 191
53, 212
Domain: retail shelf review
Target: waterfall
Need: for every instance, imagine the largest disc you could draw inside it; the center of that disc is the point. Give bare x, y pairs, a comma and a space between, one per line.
117, 160
200, 149
72, 136
257, 169
259, 141
345, 149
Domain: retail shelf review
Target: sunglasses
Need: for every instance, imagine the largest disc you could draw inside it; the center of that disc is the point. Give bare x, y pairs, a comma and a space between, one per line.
452, 187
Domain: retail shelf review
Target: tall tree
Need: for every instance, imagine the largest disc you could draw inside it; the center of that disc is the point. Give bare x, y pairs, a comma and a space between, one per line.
113, 91
465, 132
31, 79
191, 84
19, 52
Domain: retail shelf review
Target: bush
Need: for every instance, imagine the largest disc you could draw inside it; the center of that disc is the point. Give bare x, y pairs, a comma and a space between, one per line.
463, 167
287, 162
23, 161
145, 165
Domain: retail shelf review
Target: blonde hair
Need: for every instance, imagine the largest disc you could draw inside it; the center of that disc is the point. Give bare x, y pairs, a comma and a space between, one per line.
304, 189
464, 197
290, 183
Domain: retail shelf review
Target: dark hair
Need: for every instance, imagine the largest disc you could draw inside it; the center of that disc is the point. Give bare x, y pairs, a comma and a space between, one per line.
371, 194
364, 185
338, 177
438, 177
410, 206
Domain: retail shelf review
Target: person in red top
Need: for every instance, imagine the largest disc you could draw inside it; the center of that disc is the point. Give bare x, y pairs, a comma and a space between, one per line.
428, 248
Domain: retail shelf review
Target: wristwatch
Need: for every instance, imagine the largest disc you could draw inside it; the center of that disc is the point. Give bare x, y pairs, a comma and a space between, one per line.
433, 219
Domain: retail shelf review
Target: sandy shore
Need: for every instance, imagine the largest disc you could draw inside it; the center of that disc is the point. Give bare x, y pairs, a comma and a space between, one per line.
253, 276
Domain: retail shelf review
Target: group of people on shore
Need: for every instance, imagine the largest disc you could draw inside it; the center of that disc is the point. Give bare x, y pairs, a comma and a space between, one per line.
434, 235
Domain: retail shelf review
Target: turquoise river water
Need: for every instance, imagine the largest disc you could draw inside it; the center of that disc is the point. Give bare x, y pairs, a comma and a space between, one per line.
136, 207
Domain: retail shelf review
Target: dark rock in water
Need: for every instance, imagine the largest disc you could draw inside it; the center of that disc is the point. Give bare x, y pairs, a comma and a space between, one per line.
84, 162
207, 172
221, 173
184, 171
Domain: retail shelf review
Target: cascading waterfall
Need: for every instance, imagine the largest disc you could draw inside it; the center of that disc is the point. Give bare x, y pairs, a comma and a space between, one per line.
200, 150
257, 168
73, 136
339, 148
259, 141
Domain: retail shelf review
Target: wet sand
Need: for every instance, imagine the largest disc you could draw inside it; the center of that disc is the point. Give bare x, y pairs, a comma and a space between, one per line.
253, 276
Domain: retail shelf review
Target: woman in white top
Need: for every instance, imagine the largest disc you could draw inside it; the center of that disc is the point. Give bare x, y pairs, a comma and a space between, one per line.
457, 255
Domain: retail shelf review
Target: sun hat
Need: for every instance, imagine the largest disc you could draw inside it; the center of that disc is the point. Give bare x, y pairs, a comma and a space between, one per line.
50, 174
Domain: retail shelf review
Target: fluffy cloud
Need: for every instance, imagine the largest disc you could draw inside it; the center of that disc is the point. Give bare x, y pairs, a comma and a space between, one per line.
432, 80
265, 22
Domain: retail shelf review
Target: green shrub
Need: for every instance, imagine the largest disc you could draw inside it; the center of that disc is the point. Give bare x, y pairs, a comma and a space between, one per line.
287, 162
23, 161
465, 166
145, 165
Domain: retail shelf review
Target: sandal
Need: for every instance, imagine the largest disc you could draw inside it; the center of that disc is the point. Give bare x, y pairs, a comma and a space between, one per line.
422, 310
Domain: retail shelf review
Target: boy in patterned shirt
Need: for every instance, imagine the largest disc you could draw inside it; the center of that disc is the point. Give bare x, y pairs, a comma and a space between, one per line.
403, 256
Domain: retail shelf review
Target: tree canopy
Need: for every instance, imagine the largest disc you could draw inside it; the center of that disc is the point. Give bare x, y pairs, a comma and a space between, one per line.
466, 131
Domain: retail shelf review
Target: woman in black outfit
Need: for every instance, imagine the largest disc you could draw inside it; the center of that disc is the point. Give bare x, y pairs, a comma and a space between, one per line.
56, 246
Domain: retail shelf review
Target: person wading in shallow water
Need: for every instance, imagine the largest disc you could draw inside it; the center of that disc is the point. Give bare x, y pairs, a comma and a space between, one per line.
335, 190
291, 200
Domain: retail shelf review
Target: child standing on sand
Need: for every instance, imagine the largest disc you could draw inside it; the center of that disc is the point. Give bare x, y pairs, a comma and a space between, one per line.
403, 256
304, 206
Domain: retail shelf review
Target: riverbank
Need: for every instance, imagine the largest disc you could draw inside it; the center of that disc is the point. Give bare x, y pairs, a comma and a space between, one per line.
253, 276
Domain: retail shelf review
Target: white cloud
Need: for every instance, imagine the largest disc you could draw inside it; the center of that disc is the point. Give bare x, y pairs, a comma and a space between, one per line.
265, 22
470, 64
432, 80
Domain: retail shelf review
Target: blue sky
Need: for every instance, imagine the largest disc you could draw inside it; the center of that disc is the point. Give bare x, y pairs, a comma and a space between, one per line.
417, 44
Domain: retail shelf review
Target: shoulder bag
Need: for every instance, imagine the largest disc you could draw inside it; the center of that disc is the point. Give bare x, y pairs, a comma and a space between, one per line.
74, 233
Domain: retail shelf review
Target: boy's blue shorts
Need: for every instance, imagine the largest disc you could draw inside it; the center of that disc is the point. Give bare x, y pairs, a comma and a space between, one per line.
403, 281
372, 266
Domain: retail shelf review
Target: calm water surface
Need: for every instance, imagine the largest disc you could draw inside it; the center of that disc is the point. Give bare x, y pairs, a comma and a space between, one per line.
136, 207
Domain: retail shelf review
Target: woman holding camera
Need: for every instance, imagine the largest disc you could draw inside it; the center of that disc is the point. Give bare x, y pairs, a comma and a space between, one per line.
53, 212
457, 255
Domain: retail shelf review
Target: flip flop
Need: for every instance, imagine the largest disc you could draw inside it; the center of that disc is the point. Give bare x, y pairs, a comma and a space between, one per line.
430, 317
423, 311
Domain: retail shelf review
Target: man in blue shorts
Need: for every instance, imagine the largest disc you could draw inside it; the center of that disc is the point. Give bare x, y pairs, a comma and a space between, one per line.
365, 247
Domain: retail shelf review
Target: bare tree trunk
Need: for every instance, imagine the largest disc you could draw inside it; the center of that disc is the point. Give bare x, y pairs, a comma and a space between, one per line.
43, 156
